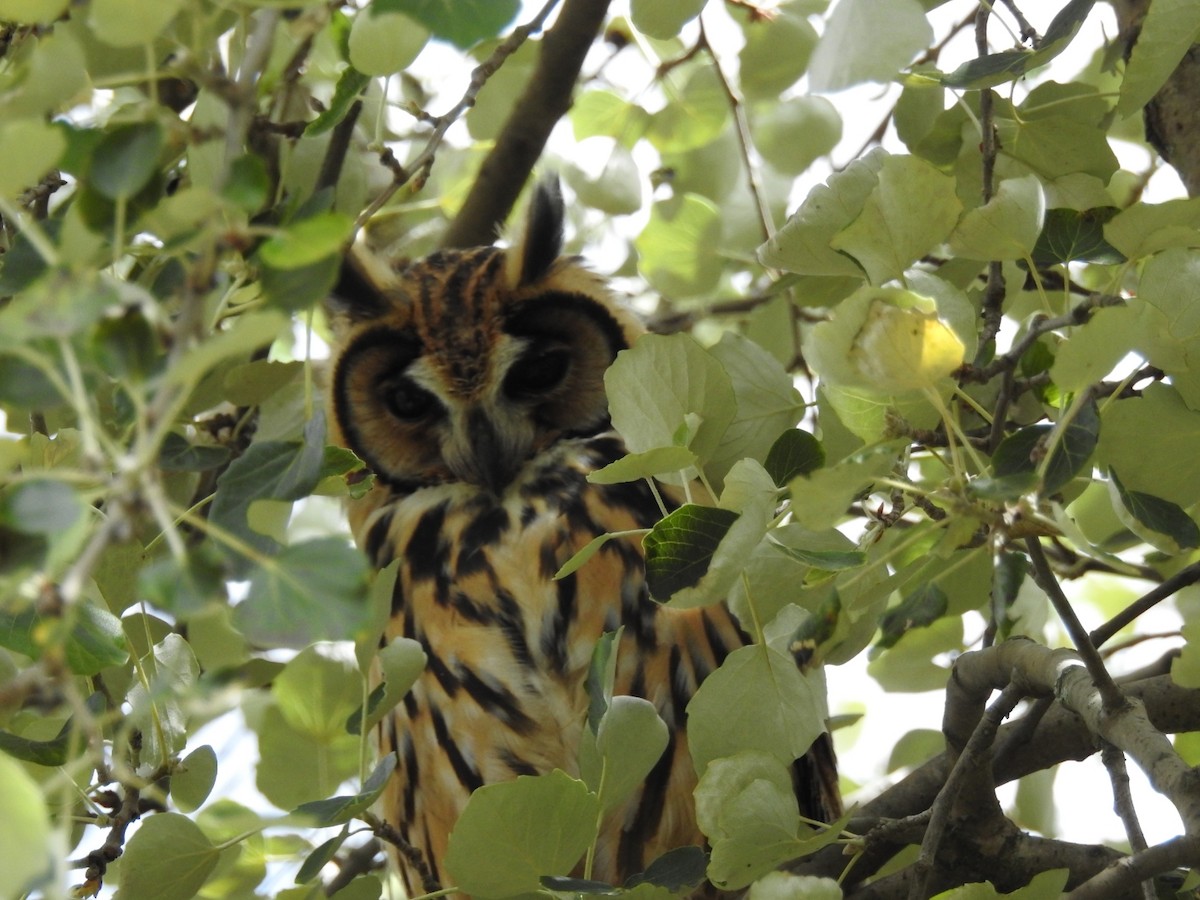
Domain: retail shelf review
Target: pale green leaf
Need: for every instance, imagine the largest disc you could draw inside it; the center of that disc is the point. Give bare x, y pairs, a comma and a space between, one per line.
309, 592
1094, 348
910, 210
1165, 34
792, 134
684, 380
130, 23
462, 22
1151, 441
32, 12
1007, 227
382, 43
168, 858
628, 743
25, 835
29, 148
317, 690
868, 40
821, 499
295, 768
675, 249
1147, 228
193, 778
757, 700
659, 461
512, 833
776, 52
802, 245
663, 20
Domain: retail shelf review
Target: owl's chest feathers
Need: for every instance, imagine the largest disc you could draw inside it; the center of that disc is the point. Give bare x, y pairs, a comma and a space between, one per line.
476, 581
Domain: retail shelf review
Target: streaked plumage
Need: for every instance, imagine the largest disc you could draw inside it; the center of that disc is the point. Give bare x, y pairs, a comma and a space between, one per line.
471, 383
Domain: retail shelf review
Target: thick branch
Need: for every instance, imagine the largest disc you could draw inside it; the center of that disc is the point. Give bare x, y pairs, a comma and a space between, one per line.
546, 99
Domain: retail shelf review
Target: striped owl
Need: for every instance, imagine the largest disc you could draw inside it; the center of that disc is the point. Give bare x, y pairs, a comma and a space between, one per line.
472, 386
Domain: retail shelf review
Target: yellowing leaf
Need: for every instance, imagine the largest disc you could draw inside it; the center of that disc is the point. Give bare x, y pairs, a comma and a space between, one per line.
903, 349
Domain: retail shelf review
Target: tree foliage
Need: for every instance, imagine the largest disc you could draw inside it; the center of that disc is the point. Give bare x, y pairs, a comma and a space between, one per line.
946, 397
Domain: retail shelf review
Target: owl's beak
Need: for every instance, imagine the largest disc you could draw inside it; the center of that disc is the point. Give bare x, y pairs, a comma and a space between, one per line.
488, 462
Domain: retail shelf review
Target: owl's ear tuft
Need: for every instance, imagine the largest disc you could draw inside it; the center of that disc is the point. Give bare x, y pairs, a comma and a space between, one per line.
362, 287
542, 239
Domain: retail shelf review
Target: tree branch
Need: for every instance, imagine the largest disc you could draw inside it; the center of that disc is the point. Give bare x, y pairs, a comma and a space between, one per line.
546, 99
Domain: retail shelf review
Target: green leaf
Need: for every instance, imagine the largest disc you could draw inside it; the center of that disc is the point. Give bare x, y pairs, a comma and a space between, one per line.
1009, 65
32, 12
689, 382
820, 499
349, 86
25, 833
131, 23
1095, 348
1058, 132
29, 149
168, 858
757, 700
630, 740
1166, 466
461, 22
920, 608
339, 810
308, 241
676, 870
177, 455
40, 506
251, 332
383, 43
268, 470
310, 592
793, 134
1021, 452
767, 402
910, 210
1143, 229
663, 20
776, 53
794, 453
602, 672
802, 245
675, 248
1159, 515
299, 288
193, 779
1076, 236
681, 546
632, 466
825, 560
401, 663
868, 40
296, 768
1165, 34
125, 159
512, 833
158, 708
52, 752
317, 690
1007, 226
320, 857
695, 116
94, 643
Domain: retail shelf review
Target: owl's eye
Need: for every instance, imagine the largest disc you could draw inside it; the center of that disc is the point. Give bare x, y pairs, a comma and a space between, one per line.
407, 400
537, 372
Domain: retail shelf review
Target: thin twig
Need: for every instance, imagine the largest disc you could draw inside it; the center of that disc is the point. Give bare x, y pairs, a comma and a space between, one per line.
1028, 32
1118, 774
745, 144
1110, 694
419, 168
1178, 581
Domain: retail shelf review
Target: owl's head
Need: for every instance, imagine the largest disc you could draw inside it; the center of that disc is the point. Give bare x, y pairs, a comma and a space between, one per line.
466, 364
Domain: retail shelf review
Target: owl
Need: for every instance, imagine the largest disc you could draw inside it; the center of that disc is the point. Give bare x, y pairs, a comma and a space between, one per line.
471, 384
